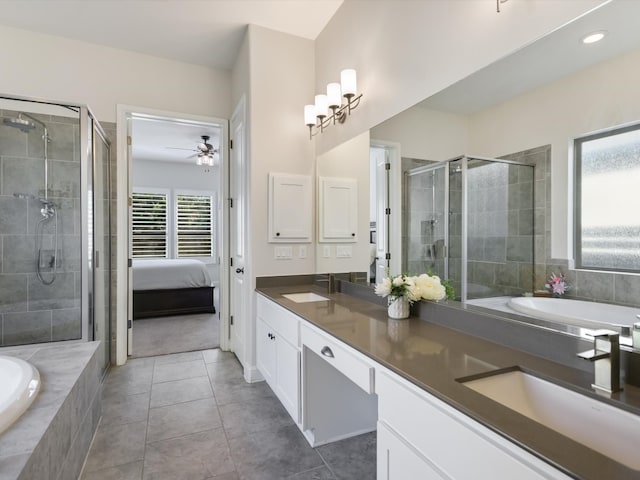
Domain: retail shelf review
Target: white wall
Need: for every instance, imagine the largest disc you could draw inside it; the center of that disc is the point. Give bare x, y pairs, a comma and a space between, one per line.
598, 97
348, 160
55, 68
281, 69
147, 173
406, 51
426, 134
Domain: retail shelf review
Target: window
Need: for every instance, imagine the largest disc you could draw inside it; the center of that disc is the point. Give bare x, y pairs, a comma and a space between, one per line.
194, 232
607, 200
188, 233
149, 225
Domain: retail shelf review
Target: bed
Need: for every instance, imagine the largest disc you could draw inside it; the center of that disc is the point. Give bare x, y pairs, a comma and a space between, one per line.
163, 287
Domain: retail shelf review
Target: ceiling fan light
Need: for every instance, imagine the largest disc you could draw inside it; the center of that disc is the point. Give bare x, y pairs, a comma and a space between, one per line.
199, 160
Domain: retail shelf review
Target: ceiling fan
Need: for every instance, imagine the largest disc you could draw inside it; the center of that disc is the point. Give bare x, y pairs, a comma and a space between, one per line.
204, 151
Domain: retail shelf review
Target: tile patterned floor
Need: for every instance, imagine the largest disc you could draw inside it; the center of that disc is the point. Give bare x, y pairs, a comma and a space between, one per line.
192, 416
178, 333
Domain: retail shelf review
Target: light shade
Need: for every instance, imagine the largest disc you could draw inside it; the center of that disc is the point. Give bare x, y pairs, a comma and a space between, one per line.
349, 83
309, 115
322, 106
334, 95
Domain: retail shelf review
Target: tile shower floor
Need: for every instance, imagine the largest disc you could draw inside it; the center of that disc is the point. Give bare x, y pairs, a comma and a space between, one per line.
192, 416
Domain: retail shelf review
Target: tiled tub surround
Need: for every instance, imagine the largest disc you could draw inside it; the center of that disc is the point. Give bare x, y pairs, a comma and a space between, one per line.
51, 439
31, 312
605, 287
432, 356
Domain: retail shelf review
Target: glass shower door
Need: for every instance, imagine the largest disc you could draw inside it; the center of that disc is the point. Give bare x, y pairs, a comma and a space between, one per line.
425, 232
101, 247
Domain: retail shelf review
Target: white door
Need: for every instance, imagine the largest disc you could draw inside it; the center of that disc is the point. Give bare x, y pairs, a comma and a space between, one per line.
130, 238
379, 157
238, 281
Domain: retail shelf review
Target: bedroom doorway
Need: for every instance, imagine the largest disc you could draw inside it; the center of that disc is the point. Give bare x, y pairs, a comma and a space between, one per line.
176, 225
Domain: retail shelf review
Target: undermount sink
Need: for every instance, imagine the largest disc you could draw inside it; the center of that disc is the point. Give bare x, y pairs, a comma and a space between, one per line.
305, 297
609, 430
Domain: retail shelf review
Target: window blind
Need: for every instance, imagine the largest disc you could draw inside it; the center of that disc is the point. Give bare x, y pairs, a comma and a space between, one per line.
149, 225
194, 223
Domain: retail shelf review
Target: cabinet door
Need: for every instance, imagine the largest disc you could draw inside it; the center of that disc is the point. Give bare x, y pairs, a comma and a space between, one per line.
288, 377
398, 461
338, 210
266, 351
290, 209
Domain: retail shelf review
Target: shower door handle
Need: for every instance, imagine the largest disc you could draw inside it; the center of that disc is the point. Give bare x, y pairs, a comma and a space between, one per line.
97, 259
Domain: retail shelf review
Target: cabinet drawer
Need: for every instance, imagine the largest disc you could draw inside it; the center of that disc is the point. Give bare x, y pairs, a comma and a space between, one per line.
444, 435
280, 319
345, 360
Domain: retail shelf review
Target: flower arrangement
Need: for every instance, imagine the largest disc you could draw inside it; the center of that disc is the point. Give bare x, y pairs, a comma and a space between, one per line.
557, 284
413, 288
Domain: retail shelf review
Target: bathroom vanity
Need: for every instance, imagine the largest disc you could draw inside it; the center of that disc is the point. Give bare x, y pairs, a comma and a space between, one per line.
341, 368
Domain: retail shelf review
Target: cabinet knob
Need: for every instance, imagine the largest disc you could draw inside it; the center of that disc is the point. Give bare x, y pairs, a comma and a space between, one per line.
326, 351
277, 234
353, 234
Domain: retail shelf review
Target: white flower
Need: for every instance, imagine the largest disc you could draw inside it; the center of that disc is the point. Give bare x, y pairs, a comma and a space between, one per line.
429, 287
383, 288
397, 281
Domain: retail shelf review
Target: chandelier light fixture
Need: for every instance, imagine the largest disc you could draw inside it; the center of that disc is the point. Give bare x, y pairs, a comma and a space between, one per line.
329, 108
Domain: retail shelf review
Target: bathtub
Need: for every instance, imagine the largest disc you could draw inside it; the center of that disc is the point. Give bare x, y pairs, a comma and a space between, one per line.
20, 384
576, 312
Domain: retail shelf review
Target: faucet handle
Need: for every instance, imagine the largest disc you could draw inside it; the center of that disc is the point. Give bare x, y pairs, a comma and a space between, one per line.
603, 332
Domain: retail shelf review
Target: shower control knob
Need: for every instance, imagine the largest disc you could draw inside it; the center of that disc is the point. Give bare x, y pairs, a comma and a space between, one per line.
240, 270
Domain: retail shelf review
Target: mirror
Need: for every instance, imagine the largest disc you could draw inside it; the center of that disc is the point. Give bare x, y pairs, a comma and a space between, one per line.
527, 107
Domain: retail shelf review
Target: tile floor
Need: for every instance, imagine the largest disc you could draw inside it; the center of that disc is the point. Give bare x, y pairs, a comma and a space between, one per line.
192, 416
178, 333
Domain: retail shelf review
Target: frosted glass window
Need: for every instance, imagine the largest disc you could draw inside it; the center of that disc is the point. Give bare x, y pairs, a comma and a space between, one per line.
607, 220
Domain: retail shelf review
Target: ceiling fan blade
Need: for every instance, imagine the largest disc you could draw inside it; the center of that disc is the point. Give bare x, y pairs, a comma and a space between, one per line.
180, 148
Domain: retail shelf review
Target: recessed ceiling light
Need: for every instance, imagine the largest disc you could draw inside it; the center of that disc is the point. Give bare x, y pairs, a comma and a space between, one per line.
594, 37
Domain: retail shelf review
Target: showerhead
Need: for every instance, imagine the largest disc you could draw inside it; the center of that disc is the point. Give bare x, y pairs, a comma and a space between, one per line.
20, 123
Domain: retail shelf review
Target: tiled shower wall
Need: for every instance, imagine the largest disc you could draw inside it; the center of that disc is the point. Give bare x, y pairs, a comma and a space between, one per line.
30, 311
499, 228
618, 288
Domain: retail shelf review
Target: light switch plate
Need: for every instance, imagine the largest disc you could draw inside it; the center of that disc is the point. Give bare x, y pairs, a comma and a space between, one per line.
326, 251
344, 251
302, 251
283, 253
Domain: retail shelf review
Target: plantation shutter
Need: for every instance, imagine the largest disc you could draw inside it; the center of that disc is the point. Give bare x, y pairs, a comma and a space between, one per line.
149, 224
194, 226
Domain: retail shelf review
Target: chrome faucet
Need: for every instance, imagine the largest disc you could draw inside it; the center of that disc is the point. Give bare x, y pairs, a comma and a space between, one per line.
606, 360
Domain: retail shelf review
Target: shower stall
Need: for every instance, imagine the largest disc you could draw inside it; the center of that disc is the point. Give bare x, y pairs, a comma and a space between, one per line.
55, 268
471, 220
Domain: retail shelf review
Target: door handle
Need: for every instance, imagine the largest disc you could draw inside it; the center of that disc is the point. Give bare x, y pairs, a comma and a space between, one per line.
240, 270
326, 351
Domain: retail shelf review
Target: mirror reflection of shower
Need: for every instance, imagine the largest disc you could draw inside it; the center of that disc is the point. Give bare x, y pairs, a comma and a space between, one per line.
46, 260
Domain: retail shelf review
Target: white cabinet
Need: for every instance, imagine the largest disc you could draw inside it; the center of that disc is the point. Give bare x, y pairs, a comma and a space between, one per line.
337, 210
278, 353
397, 460
450, 444
290, 208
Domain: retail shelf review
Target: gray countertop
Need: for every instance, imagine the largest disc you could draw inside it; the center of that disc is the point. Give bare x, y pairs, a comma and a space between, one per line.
433, 357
